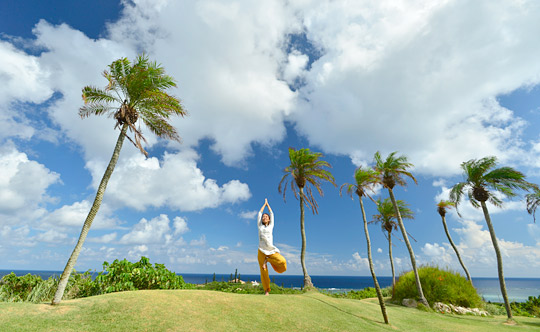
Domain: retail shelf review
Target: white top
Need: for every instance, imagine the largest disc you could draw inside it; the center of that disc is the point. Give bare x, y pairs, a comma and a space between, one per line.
266, 239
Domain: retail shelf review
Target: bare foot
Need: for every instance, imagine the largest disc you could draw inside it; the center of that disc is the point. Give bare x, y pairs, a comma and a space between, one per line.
266, 293
264, 264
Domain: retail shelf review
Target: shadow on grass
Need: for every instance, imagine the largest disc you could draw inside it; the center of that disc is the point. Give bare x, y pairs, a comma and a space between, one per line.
365, 319
533, 324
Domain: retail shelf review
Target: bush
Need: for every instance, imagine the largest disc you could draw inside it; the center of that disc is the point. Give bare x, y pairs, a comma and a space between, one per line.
118, 276
365, 293
529, 308
17, 289
438, 285
124, 275
247, 288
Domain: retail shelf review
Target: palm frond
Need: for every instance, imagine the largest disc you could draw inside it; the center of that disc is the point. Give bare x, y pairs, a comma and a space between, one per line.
533, 201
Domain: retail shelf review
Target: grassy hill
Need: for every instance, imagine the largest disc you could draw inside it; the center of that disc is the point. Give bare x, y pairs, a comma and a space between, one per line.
197, 310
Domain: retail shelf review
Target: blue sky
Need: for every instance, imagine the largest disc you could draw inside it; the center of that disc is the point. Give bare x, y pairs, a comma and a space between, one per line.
441, 83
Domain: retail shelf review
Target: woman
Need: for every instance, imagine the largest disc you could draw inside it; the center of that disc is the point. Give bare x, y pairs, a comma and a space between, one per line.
267, 251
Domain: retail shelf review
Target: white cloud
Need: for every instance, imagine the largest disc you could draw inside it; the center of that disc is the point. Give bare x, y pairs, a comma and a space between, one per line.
23, 186
379, 250
180, 226
151, 231
201, 242
437, 253
420, 77
249, 215
51, 236
106, 238
175, 182
74, 216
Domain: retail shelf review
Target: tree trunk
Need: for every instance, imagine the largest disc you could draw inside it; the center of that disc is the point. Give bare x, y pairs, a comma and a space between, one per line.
64, 278
455, 249
499, 260
377, 287
409, 247
391, 262
307, 279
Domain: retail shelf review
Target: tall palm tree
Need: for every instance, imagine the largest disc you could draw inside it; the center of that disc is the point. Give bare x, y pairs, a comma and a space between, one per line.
134, 92
387, 218
442, 207
393, 170
305, 171
365, 180
482, 181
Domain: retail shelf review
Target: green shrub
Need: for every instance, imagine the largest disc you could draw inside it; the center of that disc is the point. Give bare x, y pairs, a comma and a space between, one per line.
17, 289
118, 276
529, 308
495, 309
124, 276
247, 288
365, 293
438, 285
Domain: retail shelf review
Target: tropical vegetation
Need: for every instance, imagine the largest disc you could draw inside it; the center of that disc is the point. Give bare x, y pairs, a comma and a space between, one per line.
442, 208
365, 180
485, 182
306, 170
387, 218
393, 171
135, 91
439, 285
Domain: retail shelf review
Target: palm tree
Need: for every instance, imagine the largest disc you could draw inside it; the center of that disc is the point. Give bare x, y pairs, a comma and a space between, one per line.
533, 201
305, 171
387, 218
392, 171
442, 206
365, 180
482, 180
134, 91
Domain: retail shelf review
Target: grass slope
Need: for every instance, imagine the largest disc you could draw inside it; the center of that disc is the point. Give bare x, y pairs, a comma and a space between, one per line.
197, 310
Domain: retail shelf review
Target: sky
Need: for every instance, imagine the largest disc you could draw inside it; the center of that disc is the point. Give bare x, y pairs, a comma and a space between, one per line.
440, 82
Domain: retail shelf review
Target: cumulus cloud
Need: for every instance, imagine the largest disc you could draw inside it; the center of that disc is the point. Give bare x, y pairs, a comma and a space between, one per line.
249, 215
155, 230
175, 182
74, 216
180, 226
23, 186
421, 78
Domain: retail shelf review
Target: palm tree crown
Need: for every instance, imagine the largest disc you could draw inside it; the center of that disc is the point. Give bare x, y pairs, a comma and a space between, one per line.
365, 181
305, 169
135, 91
482, 179
393, 169
387, 215
533, 201
443, 206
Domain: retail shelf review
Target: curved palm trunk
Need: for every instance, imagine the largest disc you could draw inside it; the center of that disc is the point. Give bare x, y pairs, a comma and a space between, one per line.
377, 287
455, 249
391, 261
499, 260
89, 219
409, 247
307, 278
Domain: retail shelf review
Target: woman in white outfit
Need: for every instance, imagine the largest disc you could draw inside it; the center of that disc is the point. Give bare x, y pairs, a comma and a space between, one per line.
267, 251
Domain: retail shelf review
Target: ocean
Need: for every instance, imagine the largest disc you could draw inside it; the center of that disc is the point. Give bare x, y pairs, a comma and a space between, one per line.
519, 289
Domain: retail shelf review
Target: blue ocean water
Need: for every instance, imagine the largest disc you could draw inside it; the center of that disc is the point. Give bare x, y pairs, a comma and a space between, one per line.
519, 289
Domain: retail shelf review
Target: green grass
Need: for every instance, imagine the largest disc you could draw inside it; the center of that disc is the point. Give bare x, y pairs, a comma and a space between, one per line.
200, 310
